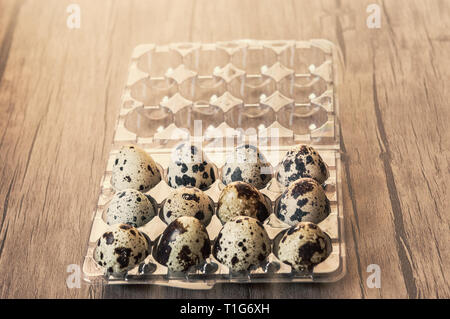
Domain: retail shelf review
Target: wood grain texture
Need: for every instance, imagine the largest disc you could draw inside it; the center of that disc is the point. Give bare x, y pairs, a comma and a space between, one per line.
59, 97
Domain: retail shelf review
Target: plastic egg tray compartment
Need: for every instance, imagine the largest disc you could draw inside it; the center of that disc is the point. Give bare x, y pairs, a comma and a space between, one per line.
271, 94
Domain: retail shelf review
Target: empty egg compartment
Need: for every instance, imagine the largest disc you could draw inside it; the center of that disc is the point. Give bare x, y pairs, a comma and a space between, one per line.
271, 94
165, 96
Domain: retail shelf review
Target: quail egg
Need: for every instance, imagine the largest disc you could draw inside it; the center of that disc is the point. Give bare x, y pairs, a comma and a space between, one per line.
190, 167
303, 201
134, 168
121, 248
242, 243
303, 246
188, 201
241, 199
183, 244
248, 165
302, 161
130, 207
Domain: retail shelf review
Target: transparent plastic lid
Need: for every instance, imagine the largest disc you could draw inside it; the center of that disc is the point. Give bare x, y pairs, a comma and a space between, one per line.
271, 94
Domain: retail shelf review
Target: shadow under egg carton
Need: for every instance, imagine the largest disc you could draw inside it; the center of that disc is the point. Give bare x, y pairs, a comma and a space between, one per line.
207, 81
287, 86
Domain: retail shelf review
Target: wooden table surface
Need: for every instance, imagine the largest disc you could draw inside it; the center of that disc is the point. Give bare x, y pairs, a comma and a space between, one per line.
60, 91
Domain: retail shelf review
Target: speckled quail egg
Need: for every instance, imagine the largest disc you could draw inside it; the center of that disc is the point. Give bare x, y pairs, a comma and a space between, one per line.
303, 201
241, 199
183, 244
248, 165
130, 207
190, 167
302, 161
188, 201
121, 248
134, 168
242, 243
303, 246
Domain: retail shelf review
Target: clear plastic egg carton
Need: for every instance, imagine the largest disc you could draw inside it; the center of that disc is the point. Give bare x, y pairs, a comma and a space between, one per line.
271, 94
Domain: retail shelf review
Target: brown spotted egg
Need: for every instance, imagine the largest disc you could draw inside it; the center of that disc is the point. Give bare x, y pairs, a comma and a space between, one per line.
121, 249
134, 168
188, 201
248, 165
303, 201
241, 199
130, 207
190, 167
302, 161
303, 246
183, 244
242, 243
